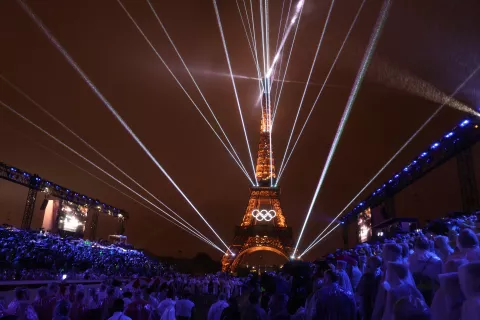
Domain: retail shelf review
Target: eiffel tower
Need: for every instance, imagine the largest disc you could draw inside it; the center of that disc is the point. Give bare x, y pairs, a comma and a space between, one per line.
263, 227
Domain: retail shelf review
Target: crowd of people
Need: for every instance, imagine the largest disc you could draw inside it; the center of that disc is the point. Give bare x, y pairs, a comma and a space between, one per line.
426, 274
34, 255
168, 297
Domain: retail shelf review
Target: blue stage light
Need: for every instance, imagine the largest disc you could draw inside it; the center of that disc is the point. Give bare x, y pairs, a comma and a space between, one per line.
448, 135
464, 123
435, 145
423, 155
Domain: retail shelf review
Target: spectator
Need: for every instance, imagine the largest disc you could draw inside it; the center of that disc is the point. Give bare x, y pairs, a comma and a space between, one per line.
467, 243
391, 253
448, 300
331, 301
185, 308
217, 308
62, 310
442, 248
78, 306
408, 308
278, 307
232, 312
399, 285
344, 280
253, 309
118, 311
469, 275
368, 285
167, 306
425, 267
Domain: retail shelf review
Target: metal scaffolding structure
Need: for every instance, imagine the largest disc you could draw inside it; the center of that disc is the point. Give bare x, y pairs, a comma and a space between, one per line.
468, 182
35, 183
455, 143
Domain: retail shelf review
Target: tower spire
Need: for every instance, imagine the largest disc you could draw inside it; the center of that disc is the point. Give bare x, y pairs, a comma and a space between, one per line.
265, 169
263, 225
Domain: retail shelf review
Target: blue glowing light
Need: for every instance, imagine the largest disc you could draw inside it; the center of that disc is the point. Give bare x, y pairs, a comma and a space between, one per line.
414, 162
374, 193
390, 181
406, 169
378, 190
448, 135
435, 145
423, 155
396, 176
68, 190
464, 123
361, 203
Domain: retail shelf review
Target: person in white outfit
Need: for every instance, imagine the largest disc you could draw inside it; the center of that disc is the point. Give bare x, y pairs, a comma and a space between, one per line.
184, 308
217, 308
469, 275
118, 307
166, 306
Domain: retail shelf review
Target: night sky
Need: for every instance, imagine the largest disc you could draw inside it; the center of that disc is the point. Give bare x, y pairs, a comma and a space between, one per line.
436, 41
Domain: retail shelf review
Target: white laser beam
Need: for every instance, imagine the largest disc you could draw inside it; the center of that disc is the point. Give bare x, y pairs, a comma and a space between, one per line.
107, 104
351, 99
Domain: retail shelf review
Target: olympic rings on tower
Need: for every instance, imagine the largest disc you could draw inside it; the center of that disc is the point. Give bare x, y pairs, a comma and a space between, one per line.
264, 215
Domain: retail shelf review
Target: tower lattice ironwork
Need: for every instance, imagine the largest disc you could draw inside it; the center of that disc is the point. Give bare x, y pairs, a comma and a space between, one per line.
263, 227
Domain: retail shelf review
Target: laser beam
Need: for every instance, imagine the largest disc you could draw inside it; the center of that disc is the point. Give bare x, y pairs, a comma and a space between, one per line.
45, 111
121, 192
296, 18
327, 19
351, 99
402, 148
196, 85
257, 66
219, 22
297, 14
280, 173
308, 249
70, 60
254, 40
280, 51
237, 161
93, 164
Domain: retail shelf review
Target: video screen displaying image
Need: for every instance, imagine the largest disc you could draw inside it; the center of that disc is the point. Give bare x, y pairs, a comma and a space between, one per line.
72, 218
364, 226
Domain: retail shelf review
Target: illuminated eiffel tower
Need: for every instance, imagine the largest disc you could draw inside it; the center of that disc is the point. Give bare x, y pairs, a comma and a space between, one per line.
263, 226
